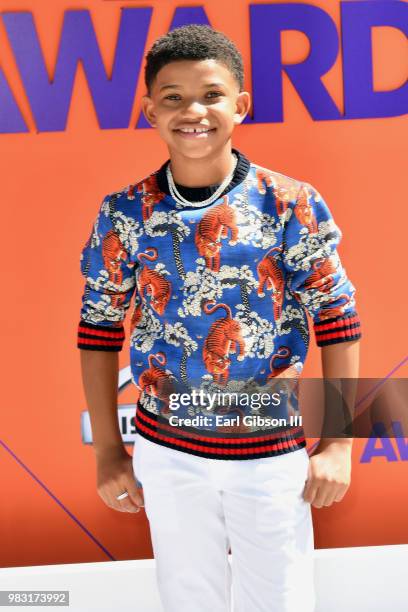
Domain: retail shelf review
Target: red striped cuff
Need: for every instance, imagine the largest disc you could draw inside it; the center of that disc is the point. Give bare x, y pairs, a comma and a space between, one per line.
100, 337
340, 329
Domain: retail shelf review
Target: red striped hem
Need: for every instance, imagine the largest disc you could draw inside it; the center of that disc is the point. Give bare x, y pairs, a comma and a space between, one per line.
338, 330
96, 342
213, 446
334, 324
282, 447
344, 333
108, 333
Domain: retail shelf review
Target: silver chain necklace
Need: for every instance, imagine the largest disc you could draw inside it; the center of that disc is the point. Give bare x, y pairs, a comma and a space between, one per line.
181, 201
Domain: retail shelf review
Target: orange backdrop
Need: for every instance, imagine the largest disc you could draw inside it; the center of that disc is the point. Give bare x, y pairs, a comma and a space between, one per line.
52, 185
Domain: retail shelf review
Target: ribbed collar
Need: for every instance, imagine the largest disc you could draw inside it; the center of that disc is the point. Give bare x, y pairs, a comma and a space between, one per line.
195, 194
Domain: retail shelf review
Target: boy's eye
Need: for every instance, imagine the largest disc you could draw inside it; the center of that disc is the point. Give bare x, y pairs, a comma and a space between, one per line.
218, 93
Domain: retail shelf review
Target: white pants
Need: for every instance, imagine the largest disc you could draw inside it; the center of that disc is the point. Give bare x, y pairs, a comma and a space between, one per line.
198, 508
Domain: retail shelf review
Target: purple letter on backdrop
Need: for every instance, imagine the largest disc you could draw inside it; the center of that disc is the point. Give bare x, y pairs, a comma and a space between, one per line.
182, 16
11, 120
361, 101
385, 450
267, 23
113, 98
400, 440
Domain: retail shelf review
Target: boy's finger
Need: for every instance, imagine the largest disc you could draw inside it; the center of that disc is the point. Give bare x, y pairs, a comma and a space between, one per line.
122, 505
135, 494
126, 505
310, 490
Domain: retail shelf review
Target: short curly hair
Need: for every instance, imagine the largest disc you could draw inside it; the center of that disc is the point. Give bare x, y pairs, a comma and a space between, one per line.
193, 42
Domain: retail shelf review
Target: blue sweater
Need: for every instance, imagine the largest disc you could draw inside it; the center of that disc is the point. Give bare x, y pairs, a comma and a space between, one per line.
221, 298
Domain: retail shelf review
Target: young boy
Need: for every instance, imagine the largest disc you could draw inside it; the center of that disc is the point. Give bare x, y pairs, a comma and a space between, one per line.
225, 258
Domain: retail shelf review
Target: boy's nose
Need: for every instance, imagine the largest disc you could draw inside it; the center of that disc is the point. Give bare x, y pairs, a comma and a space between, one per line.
195, 108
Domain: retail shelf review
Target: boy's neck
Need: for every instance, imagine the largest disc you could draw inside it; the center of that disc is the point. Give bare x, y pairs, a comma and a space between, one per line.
201, 171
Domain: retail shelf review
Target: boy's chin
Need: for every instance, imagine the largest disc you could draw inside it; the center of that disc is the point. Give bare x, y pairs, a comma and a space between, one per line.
199, 147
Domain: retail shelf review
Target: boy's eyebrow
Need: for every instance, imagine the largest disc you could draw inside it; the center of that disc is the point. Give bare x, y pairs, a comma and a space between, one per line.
206, 85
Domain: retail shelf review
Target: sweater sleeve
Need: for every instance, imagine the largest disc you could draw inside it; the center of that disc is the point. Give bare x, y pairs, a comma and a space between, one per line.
315, 274
109, 283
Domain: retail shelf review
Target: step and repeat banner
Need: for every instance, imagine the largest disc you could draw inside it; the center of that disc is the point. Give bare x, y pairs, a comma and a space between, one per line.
328, 81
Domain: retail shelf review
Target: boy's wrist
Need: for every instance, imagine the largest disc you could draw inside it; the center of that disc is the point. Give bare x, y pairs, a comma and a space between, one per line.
346, 443
109, 450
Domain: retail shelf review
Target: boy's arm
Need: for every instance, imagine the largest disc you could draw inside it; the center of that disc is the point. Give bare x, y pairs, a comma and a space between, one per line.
329, 474
115, 473
109, 286
341, 361
100, 370
319, 281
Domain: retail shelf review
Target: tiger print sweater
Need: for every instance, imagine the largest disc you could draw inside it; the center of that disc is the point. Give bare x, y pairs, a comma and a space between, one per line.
222, 296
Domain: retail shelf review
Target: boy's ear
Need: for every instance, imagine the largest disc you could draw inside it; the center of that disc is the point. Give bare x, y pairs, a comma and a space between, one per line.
243, 105
147, 108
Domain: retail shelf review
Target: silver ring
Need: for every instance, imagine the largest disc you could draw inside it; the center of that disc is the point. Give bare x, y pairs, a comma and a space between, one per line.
122, 495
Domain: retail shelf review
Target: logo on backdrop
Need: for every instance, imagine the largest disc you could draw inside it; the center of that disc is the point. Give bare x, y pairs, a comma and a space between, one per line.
113, 94
126, 413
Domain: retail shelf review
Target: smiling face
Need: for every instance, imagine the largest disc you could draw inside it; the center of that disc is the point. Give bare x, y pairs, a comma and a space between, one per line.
200, 94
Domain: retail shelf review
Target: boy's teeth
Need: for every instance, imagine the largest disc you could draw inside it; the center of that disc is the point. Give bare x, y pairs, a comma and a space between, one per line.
194, 130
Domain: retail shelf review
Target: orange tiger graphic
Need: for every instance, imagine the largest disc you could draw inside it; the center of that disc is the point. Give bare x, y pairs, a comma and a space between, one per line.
336, 311
263, 175
113, 252
157, 382
151, 195
304, 211
284, 189
156, 285
224, 335
211, 229
272, 276
322, 275
136, 317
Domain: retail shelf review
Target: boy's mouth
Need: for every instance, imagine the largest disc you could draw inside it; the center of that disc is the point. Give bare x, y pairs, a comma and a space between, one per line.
192, 133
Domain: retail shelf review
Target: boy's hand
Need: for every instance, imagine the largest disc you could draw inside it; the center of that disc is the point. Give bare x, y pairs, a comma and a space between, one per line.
329, 474
114, 476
